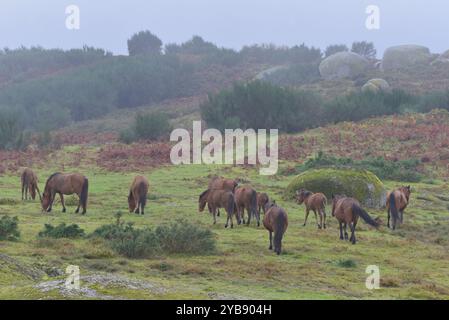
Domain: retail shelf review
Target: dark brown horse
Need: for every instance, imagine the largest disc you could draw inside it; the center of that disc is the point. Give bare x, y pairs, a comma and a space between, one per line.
246, 198
347, 211
275, 221
65, 184
315, 202
29, 183
137, 198
216, 199
262, 200
397, 201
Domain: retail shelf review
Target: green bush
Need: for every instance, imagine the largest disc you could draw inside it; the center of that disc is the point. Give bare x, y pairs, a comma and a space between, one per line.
185, 237
62, 231
261, 105
12, 134
9, 228
179, 237
147, 126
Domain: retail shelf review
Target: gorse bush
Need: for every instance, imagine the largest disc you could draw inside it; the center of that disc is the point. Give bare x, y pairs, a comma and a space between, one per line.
185, 237
261, 105
178, 237
62, 231
402, 170
147, 126
9, 228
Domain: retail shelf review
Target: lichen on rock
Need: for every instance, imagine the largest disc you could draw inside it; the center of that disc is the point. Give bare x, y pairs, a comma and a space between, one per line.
360, 184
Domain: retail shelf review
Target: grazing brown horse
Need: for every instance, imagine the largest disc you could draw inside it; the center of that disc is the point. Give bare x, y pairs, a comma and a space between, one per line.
137, 198
216, 199
315, 202
275, 221
397, 201
262, 200
220, 183
65, 184
246, 198
29, 183
347, 211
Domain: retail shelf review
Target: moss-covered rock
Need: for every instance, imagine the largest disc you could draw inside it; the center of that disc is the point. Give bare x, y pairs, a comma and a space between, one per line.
343, 65
376, 85
405, 56
360, 184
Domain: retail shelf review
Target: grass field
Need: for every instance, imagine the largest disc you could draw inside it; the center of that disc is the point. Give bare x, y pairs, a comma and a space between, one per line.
315, 264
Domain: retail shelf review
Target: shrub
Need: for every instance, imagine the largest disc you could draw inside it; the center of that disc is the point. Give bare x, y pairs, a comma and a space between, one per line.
9, 228
262, 105
62, 231
185, 237
147, 126
179, 237
11, 129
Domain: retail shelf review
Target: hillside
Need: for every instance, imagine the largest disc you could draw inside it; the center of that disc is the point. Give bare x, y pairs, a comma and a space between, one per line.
315, 263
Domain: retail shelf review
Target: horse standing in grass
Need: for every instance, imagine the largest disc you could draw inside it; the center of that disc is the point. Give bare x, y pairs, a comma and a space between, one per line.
65, 184
246, 198
216, 199
315, 202
275, 221
397, 201
220, 183
347, 211
137, 198
29, 184
262, 200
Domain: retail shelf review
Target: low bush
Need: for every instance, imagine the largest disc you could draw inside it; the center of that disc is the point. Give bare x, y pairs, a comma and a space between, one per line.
62, 231
178, 237
9, 228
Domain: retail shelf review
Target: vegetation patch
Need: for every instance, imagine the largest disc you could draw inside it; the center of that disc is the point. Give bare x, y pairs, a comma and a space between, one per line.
178, 237
62, 231
9, 228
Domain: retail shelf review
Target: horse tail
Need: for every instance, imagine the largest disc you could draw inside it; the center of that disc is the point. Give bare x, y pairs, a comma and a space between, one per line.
393, 209
142, 194
364, 215
279, 229
84, 192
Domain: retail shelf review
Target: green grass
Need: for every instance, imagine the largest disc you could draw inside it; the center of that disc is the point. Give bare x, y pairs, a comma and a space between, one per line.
315, 264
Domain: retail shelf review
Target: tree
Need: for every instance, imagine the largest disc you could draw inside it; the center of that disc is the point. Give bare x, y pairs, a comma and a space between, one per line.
144, 42
11, 131
365, 49
335, 48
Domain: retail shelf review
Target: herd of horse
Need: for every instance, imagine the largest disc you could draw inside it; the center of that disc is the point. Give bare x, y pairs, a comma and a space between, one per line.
228, 195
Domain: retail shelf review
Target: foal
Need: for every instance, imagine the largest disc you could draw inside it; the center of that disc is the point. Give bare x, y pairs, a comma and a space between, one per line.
315, 202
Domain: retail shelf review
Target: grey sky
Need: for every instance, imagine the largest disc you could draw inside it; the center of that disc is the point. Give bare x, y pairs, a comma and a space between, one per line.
229, 23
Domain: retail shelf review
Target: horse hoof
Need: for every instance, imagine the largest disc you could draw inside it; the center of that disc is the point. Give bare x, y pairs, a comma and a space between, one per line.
64, 210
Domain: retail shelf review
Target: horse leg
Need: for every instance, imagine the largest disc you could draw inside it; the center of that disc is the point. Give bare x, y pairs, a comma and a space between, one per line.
346, 233
307, 215
316, 219
218, 212
214, 212
271, 241
52, 199
352, 232
321, 218
324, 218
26, 192
388, 223
248, 211
341, 230
23, 190
401, 215
62, 202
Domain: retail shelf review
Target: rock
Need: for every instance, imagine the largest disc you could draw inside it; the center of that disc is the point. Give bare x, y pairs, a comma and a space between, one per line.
405, 56
441, 60
343, 65
360, 184
376, 85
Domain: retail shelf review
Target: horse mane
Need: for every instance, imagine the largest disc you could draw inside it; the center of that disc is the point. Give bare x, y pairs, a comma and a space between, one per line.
203, 193
51, 177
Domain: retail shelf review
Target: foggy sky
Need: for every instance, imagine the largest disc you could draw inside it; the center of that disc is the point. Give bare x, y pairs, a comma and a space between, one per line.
228, 23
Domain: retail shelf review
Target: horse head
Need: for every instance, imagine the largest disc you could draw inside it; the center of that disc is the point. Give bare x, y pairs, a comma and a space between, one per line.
202, 200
